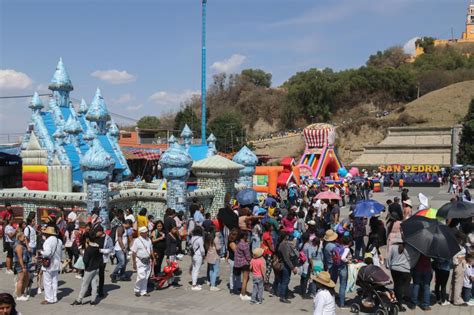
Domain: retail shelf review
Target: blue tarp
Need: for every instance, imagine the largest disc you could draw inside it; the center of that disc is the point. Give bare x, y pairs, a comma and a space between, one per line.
74, 158
198, 151
83, 123
66, 112
13, 149
104, 141
70, 149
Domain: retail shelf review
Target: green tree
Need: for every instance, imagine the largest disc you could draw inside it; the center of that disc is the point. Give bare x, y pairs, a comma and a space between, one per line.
427, 43
309, 94
188, 116
392, 57
149, 122
258, 77
229, 131
466, 145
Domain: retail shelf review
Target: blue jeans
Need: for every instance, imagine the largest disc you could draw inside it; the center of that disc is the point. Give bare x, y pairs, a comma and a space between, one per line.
421, 279
213, 273
284, 282
466, 294
343, 274
255, 241
359, 247
257, 291
119, 271
304, 283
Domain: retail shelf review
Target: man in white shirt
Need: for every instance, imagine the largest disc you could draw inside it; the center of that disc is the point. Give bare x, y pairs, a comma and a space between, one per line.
53, 250
30, 233
120, 249
72, 216
142, 259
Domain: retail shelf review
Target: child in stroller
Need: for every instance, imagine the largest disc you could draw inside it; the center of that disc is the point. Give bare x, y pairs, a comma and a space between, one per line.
373, 294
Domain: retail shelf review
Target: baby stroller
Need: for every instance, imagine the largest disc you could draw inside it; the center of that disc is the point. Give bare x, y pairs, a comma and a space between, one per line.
373, 296
166, 278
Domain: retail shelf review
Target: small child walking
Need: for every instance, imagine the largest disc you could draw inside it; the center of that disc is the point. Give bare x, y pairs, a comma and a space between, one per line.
257, 266
468, 279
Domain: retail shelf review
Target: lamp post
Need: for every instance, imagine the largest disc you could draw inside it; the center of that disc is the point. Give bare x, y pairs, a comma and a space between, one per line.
203, 74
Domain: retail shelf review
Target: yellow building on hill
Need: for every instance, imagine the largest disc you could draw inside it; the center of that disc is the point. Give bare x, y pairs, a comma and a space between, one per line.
466, 37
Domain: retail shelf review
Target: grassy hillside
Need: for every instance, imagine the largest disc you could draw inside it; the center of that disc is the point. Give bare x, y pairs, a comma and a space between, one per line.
443, 107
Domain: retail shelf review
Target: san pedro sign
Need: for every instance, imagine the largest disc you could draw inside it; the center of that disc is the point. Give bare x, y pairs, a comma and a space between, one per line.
409, 168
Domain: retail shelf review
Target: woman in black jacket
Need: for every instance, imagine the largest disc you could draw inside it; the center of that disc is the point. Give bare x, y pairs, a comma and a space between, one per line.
158, 238
92, 261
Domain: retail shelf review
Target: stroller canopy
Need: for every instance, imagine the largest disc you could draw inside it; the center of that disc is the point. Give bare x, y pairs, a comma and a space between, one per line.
373, 275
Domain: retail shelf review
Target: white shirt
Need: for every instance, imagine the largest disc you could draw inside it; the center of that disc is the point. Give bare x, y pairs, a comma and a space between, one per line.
107, 249
142, 247
124, 239
8, 230
324, 303
72, 216
30, 234
130, 217
53, 249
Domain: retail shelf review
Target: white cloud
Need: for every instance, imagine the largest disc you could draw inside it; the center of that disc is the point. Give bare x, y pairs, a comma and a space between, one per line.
123, 99
229, 65
134, 108
114, 76
167, 99
410, 46
14, 80
42, 88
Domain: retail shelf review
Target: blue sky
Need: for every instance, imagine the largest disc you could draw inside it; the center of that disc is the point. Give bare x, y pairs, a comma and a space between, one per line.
145, 55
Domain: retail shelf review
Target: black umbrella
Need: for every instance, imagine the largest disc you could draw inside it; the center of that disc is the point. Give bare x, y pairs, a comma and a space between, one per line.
456, 210
430, 237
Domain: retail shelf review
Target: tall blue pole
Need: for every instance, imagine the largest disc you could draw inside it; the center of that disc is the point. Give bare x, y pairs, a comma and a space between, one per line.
203, 74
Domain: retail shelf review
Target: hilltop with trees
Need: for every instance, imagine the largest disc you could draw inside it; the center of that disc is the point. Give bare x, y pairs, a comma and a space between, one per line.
243, 105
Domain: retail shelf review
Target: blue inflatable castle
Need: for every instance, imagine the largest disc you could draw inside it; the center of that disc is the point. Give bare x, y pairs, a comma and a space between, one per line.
59, 137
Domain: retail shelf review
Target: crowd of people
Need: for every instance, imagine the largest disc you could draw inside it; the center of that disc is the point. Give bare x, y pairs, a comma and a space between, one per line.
291, 234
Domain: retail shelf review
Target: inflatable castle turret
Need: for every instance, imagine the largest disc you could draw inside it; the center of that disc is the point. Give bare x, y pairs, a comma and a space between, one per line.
319, 158
176, 166
249, 160
97, 166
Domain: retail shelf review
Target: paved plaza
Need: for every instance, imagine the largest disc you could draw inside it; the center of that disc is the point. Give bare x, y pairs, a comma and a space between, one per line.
181, 300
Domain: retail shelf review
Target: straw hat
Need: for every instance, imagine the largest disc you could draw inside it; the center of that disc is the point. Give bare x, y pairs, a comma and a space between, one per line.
408, 203
143, 229
324, 278
49, 230
257, 252
330, 236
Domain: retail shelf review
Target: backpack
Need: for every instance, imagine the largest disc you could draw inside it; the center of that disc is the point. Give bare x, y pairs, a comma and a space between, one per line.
302, 258
291, 193
336, 255
113, 233
264, 219
190, 248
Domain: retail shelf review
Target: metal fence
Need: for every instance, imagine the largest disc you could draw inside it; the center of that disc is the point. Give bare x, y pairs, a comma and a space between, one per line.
11, 137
